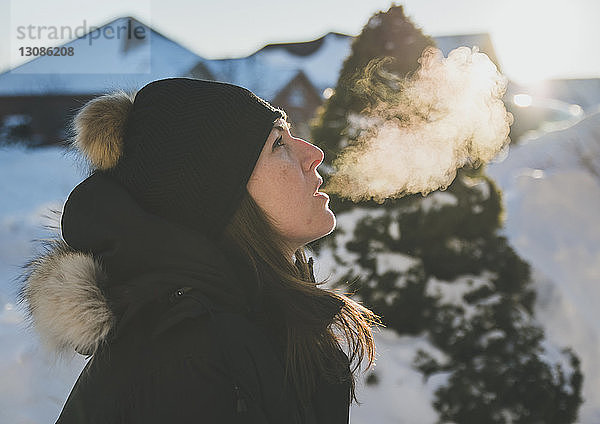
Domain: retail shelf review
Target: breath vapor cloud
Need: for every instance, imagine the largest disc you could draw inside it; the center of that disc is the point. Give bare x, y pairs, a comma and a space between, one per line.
420, 130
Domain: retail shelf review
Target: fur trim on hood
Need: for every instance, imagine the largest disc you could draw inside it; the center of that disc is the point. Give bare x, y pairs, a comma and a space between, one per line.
64, 301
114, 257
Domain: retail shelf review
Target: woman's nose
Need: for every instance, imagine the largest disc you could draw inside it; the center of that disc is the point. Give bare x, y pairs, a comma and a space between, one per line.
313, 156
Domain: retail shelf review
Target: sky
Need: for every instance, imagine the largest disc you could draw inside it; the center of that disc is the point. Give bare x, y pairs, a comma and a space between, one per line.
534, 39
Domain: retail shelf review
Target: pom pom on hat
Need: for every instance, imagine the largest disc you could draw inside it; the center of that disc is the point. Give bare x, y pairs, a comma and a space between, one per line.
100, 128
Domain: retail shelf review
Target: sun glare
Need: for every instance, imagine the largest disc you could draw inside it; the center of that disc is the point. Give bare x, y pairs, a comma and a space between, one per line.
539, 40
328, 92
522, 100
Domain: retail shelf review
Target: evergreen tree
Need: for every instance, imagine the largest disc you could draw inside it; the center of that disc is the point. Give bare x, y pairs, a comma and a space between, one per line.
388, 34
447, 272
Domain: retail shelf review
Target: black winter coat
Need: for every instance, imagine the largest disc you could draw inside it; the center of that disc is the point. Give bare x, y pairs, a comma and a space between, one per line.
177, 330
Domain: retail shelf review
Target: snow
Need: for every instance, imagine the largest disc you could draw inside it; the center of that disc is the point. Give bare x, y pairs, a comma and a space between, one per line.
268, 70
551, 189
34, 385
438, 200
452, 292
477, 184
107, 65
401, 395
325, 264
394, 261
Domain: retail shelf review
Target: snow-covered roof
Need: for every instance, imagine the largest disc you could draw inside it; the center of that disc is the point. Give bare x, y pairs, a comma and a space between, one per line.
268, 70
109, 64
101, 64
447, 43
105, 64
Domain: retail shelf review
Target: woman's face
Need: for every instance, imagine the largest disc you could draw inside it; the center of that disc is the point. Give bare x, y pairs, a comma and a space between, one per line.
283, 184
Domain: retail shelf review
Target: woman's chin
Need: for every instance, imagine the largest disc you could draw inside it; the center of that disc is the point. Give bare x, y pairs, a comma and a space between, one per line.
333, 221
328, 224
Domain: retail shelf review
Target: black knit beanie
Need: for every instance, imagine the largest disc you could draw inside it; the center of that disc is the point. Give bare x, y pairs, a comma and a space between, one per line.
184, 148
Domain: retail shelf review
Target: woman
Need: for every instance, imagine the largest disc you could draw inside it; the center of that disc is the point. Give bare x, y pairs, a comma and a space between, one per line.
181, 269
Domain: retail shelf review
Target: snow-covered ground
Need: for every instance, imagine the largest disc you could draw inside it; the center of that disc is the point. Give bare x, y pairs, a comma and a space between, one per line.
400, 395
551, 188
33, 385
552, 196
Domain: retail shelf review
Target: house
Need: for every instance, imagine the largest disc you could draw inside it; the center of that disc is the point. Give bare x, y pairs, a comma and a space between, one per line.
300, 99
46, 92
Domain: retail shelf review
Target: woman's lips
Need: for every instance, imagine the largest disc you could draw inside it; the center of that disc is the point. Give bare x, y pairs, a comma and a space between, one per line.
318, 185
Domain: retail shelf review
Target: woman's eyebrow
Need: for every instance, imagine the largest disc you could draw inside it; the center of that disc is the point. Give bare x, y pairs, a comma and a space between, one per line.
282, 125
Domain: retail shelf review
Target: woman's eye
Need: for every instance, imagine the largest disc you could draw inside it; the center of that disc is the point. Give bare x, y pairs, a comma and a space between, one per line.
278, 142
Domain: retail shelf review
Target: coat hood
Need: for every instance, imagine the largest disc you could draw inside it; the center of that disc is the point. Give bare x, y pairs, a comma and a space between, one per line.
112, 257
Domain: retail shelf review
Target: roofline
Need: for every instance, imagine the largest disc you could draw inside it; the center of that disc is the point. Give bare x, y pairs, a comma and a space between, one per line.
473, 34
308, 41
152, 30
297, 43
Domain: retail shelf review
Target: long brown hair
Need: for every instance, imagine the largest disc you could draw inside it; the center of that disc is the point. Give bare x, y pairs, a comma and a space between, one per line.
302, 311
